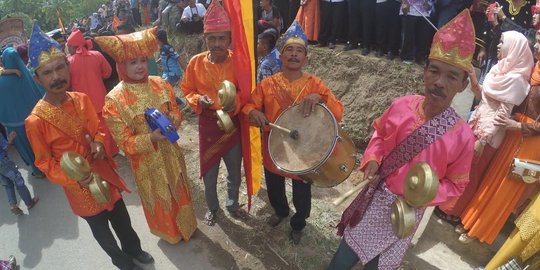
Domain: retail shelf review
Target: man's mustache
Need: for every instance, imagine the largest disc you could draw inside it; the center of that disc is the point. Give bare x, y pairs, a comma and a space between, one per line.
294, 60
438, 91
58, 83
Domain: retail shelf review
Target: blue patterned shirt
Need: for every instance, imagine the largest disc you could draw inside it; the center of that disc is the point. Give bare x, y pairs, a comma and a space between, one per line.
269, 65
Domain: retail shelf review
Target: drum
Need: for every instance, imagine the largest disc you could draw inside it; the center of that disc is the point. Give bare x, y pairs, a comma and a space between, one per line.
156, 119
322, 155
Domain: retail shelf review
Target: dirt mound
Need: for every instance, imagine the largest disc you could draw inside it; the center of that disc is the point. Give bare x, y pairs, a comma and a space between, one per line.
366, 85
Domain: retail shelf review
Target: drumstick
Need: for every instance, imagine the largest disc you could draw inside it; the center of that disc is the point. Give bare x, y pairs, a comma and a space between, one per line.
292, 133
343, 197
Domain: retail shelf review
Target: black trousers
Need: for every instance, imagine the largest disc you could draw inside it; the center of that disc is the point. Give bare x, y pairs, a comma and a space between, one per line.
275, 186
388, 26
417, 35
294, 5
333, 17
120, 222
136, 16
355, 21
283, 7
368, 22
192, 27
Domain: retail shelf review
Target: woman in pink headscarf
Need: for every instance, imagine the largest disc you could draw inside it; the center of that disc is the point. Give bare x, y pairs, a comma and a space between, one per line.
505, 86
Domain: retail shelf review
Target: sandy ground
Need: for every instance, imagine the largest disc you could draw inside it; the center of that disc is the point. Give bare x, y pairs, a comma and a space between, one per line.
51, 237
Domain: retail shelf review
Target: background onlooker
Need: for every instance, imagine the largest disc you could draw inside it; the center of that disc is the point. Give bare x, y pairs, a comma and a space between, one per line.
192, 18
268, 16
333, 15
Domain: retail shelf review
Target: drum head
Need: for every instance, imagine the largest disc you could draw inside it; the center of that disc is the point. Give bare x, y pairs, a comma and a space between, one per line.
316, 140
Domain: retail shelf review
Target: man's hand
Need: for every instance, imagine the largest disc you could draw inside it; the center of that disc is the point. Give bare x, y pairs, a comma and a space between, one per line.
174, 121
11, 137
205, 101
502, 120
405, 8
17, 72
308, 104
481, 56
257, 118
371, 171
96, 148
157, 136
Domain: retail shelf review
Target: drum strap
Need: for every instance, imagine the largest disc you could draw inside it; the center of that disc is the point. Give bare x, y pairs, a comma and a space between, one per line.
404, 152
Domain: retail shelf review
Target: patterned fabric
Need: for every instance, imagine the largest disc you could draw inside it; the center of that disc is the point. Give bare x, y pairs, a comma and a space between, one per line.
169, 62
454, 42
269, 65
294, 35
216, 19
159, 168
374, 234
125, 47
415, 143
42, 48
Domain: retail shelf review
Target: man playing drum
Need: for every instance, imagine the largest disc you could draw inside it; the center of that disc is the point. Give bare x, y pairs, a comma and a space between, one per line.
274, 95
413, 129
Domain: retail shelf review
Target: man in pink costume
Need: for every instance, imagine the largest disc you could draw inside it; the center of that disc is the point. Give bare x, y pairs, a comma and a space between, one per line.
88, 69
413, 129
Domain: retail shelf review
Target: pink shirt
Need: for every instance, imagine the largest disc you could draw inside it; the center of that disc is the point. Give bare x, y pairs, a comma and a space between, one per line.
450, 155
87, 72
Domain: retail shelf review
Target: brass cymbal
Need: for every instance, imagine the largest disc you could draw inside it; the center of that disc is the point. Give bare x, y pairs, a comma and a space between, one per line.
227, 95
224, 121
100, 189
75, 166
421, 185
403, 218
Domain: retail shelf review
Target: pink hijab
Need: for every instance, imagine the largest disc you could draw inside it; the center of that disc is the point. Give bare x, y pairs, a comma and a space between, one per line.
508, 80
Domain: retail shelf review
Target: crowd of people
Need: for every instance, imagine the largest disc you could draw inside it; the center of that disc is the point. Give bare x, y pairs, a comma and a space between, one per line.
88, 92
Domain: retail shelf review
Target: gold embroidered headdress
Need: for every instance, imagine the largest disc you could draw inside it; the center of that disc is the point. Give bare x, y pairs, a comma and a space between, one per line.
454, 42
126, 47
42, 48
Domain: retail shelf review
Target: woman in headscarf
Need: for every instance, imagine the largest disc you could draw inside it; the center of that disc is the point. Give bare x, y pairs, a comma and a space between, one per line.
158, 164
491, 196
506, 86
18, 96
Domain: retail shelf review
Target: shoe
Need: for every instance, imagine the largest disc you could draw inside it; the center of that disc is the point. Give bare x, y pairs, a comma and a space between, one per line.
12, 261
239, 214
390, 56
365, 51
349, 47
331, 46
407, 62
144, 258
379, 53
295, 236
38, 176
465, 239
321, 44
210, 218
16, 211
274, 220
460, 229
35, 200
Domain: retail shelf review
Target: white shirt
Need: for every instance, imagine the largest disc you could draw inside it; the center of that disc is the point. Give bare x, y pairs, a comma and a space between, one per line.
189, 11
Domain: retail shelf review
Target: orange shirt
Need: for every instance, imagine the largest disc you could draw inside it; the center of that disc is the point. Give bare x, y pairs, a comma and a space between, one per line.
203, 77
78, 117
276, 93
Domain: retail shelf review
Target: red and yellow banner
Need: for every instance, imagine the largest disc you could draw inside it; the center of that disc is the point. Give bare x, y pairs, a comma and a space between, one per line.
243, 45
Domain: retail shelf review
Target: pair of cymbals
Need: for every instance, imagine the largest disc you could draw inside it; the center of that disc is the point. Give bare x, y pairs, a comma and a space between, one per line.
420, 188
78, 169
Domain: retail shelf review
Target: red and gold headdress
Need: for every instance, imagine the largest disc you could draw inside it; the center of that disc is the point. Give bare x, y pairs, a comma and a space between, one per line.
126, 47
216, 19
454, 42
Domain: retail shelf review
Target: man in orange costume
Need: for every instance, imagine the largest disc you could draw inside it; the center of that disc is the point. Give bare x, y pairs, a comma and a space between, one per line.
67, 121
204, 75
275, 94
157, 163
